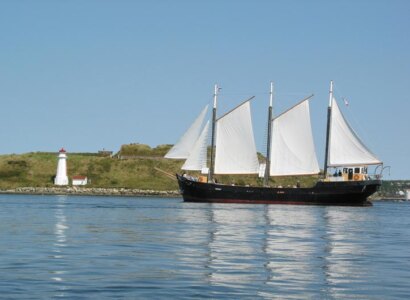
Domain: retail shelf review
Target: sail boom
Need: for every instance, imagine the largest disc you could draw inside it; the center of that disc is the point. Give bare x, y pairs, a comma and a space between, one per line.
355, 164
291, 175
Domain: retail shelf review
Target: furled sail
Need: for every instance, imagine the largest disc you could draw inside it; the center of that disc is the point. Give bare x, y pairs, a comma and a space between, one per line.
197, 159
235, 144
293, 151
184, 146
345, 147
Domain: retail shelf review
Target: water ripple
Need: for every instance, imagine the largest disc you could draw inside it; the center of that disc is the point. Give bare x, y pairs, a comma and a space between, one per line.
110, 247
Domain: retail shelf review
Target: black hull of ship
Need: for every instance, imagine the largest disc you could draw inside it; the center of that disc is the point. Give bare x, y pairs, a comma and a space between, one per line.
347, 193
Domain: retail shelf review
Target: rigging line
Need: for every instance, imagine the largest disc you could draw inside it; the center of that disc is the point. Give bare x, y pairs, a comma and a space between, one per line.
244, 102
300, 102
361, 131
339, 95
339, 92
263, 93
292, 93
242, 94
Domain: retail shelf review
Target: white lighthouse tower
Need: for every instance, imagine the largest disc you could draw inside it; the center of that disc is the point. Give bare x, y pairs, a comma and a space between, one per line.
61, 176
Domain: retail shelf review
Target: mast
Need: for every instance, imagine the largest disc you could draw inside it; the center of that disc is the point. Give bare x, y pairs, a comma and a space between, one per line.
329, 116
269, 142
212, 165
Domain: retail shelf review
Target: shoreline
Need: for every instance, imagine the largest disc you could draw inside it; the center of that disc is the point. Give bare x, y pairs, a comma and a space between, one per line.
121, 192
81, 191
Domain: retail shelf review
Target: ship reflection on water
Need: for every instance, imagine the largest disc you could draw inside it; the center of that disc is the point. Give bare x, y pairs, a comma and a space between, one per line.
147, 248
348, 254
279, 250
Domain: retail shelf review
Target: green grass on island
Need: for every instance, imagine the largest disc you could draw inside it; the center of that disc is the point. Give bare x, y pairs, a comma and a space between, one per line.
38, 169
135, 166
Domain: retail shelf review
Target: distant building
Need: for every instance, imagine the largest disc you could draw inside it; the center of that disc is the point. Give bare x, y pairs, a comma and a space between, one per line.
104, 152
408, 195
79, 180
61, 176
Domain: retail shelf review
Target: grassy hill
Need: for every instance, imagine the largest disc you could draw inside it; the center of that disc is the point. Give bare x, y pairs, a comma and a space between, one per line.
134, 167
38, 169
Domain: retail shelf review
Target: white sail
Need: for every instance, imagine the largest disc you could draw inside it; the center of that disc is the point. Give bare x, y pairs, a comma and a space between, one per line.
235, 144
197, 159
293, 151
345, 147
184, 146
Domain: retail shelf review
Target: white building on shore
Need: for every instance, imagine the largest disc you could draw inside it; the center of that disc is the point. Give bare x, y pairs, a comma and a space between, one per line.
407, 194
61, 176
79, 180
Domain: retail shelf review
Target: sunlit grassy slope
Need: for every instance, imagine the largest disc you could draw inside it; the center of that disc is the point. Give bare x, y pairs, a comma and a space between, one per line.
132, 167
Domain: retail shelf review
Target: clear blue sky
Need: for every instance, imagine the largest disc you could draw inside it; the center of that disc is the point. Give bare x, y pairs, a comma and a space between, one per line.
89, 75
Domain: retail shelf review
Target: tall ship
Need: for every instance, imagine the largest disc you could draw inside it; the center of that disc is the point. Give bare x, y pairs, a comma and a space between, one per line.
290, 152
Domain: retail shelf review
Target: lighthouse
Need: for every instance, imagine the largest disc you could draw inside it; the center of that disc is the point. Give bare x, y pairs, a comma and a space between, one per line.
61, 176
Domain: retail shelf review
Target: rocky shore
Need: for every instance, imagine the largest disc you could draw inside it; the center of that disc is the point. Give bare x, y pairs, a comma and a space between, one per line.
90, 191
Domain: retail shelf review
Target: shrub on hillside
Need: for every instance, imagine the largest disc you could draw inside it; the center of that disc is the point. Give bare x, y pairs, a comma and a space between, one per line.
143, 150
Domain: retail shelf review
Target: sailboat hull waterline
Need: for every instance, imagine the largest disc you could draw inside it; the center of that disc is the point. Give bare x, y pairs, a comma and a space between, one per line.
341, 193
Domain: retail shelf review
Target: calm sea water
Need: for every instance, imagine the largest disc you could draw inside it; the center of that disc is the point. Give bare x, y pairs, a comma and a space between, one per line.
133, 248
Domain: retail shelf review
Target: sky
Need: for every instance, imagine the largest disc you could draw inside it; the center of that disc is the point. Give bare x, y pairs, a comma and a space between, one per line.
95, 74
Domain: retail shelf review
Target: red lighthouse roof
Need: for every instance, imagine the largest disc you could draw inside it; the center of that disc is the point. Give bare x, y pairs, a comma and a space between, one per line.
62, 150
